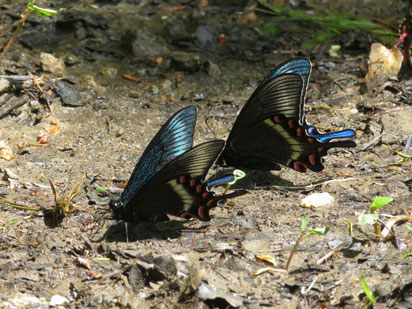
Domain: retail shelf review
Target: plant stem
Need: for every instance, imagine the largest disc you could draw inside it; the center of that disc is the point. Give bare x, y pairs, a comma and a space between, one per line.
295, 247
16, 33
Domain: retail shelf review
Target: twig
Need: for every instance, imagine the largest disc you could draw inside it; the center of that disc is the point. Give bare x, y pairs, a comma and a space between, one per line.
16, 33
408, 145
372, 142
17, 102
16, 77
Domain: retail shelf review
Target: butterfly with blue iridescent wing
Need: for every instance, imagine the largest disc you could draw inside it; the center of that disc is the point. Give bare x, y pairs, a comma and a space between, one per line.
271, 129
169, 177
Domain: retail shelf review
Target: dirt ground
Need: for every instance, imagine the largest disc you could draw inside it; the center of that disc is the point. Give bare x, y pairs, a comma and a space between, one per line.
177, 50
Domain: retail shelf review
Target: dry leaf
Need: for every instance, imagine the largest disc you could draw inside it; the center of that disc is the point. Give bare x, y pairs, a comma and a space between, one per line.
266, 259
386, 232
6, 152
42, 139
54, 128
383, 61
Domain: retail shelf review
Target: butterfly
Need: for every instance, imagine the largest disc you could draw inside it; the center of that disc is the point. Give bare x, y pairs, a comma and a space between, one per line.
271, 129
169, 176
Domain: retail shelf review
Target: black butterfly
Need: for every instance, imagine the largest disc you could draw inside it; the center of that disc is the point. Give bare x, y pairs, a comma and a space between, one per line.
271, 128
168, 179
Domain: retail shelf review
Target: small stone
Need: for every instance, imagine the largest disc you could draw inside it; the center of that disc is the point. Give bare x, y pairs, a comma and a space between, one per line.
317, 200
6, 152
71, 59
58, 300
109, 72
69, 94
154, 89
52, 64
166, 85
4, 85
212, 68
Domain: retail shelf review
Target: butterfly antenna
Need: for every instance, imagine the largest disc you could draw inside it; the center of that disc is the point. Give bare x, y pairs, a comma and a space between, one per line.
208, 126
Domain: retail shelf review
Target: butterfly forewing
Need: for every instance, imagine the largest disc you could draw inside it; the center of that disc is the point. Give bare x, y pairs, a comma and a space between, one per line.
300, 66
280, 95
174, 138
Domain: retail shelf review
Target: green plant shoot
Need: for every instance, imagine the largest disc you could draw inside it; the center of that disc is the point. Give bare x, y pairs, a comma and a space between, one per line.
368, 291
304, 234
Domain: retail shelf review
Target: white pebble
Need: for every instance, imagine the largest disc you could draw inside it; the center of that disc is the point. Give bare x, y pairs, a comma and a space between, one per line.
317, 200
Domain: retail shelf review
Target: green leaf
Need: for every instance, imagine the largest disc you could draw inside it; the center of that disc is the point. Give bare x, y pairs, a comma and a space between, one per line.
304, 224
270, 29
42, 12
367, 290
409, 228
379, 202
369, 219
320, 230
407, 254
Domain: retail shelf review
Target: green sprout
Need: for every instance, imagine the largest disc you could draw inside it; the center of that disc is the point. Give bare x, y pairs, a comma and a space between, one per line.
368, 292
407, 254
303, 235
42, 12
31, 8
372, 218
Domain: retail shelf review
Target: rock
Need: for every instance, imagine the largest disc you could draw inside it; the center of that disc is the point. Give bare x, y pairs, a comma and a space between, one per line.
143, 44
109, 72
71, 59
68, 93
4, 85
6, 152
52, 64
317, 200
87, 82
58, 300
186, 61
212, 68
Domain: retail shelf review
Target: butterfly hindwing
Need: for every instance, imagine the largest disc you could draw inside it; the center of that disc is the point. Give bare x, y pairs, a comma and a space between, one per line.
178, 188
173, 139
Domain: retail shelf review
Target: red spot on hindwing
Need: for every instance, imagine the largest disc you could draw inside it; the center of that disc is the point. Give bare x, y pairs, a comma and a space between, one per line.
205, 195
290, 123
201, 211
192, 182
187, 215
182, 179
310, 140
320, 149
277, 119
210, 202
299, 132
312, 159
199, 188
299, 166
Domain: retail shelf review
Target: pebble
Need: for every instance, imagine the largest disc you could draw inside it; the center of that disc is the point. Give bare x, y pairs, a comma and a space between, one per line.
58, 300
68, 93
52, 64
317, 200
4, 85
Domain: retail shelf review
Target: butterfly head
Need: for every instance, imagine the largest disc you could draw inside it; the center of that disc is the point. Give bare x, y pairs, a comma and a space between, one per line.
117, 205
